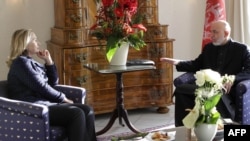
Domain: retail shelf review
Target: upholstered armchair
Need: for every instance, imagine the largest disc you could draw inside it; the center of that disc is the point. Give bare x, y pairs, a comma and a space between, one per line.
242, 110
24, 121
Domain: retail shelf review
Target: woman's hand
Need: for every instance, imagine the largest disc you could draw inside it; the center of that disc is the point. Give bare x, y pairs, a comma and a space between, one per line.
45, 55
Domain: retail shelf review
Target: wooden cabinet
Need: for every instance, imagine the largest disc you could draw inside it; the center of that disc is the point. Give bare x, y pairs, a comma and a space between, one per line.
71, 47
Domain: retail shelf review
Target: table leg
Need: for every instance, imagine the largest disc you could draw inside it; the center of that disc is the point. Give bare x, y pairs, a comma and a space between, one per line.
110, 123
128, 123
120, 112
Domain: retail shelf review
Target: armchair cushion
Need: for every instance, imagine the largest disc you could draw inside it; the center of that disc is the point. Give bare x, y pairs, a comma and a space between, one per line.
21, 120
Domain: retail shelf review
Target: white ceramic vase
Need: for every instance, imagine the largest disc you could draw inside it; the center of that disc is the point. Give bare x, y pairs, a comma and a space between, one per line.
205, 132
121, 55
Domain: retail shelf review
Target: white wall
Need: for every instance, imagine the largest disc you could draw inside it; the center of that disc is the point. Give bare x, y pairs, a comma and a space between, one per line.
37, 15
184, 17
186, 20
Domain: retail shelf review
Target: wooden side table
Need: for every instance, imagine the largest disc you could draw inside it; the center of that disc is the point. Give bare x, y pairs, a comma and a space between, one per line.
119, 112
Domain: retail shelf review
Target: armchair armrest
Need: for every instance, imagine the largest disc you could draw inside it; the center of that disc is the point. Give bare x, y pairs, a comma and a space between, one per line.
77, 94
243, 102
23, 108
243, 86
185, 78
23, 120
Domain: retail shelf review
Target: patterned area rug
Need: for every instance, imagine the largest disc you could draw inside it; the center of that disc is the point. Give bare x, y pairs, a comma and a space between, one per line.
160, 127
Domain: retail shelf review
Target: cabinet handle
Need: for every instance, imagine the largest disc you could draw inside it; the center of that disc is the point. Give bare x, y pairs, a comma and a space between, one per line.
157, 73
157, 32
156, 94
156, 51
73, 36
82, 79
150, 34
75, 1
81, 57
76, 18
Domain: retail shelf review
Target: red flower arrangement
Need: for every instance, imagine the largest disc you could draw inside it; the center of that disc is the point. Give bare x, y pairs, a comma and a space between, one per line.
117, 21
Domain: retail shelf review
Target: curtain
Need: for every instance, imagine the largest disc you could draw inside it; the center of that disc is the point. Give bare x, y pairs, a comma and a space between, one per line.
238, 15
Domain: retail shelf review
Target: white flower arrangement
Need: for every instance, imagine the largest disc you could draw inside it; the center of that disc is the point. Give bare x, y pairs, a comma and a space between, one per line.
210, 89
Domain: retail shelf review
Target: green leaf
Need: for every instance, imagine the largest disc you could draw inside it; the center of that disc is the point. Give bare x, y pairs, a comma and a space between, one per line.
211, 102
214, 118
112, 44
210, 117
200, 120
136, 42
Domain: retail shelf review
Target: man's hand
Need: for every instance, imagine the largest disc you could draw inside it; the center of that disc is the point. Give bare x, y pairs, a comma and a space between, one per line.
227, 87
170, 60
228, 81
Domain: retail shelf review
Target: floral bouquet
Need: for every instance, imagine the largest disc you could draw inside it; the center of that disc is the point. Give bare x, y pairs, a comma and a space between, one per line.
210, 89
117, 22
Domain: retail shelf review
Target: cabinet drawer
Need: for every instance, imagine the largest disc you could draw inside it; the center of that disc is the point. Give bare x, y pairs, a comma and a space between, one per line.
75, 13
145, 3
155, 32
160, 49
75, 58
68, 36
96, 81
74, 18
151, 15
104, 101
76, 78
73, 4
71, 13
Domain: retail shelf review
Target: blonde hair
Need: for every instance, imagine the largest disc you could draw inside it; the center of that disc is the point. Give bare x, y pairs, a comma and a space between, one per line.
19, 41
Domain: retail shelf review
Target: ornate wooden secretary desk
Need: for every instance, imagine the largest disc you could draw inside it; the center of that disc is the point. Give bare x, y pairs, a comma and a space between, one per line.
71, 47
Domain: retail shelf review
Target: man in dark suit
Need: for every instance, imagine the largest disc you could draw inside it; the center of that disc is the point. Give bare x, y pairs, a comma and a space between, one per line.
223, 55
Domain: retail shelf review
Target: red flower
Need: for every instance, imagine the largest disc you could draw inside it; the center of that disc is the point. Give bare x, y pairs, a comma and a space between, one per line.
93, 27
129, 5
119, 12
114, 23
107, 3
140, 26
127, 29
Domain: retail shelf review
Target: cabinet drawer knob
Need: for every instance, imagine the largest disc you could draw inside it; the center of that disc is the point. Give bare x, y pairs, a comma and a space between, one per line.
82, 79
76, 18
157, 73
73, 36
156, 51
75, 1
156, 94
81, 57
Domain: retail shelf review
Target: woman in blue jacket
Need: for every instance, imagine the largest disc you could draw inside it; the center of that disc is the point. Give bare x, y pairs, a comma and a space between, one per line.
31, 81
